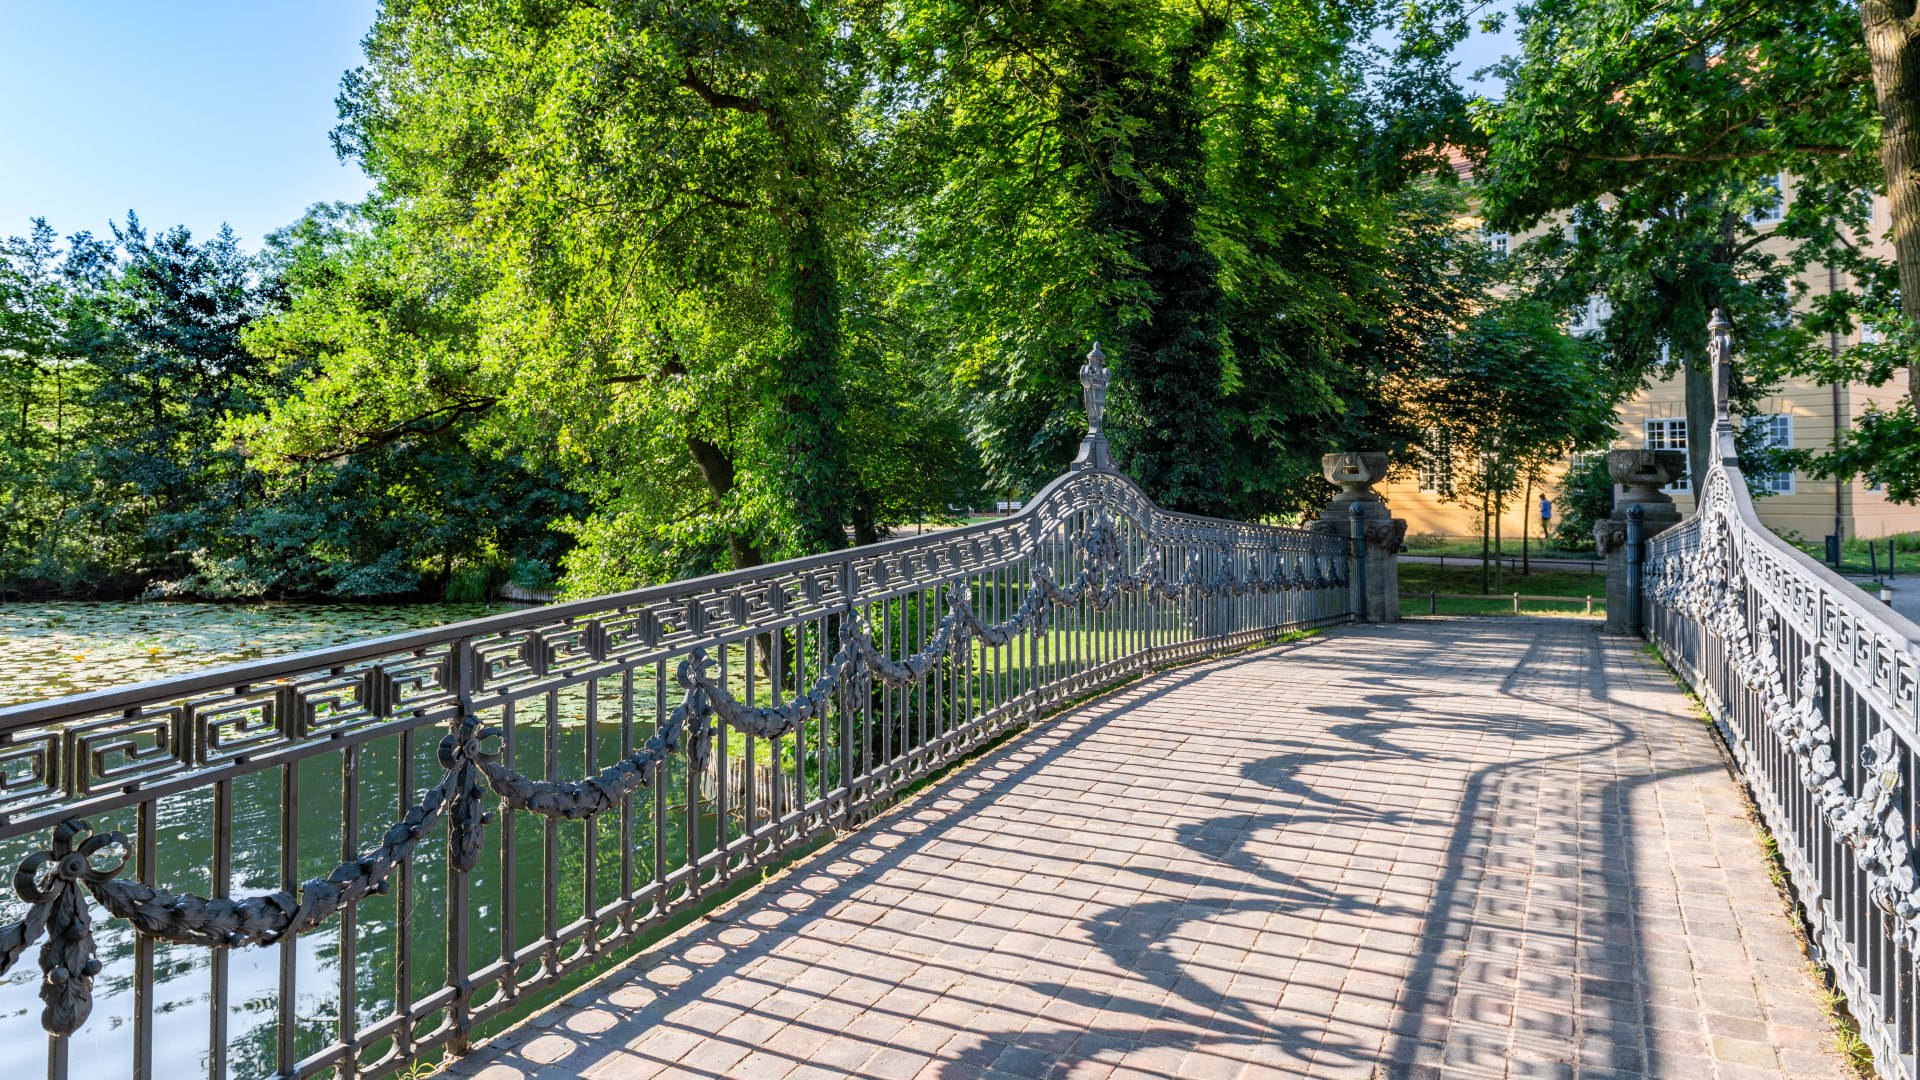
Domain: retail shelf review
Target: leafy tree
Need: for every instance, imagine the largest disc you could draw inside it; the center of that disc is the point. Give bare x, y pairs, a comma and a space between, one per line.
1664, 132
1715, 97
1516, 396
1586, 499
1204, 184
656, 196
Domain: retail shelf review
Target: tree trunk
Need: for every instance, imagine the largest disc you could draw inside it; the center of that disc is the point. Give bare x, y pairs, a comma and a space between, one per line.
716, 468
1526, 530
1486, 498
1699, 388
1499, 571
814, 462
1171, 363
1893, 48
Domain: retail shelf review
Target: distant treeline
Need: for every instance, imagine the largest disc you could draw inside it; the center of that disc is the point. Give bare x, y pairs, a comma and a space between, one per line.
123, 366
646, 291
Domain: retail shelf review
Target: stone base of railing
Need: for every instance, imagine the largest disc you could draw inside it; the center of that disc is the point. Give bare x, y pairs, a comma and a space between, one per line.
1356, 473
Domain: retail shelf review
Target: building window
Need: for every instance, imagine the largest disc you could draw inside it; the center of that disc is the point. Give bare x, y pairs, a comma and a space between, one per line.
1773, 208
1436, 467
1870, 335
1497, 242
1670, 433
1775, 433
1590, 317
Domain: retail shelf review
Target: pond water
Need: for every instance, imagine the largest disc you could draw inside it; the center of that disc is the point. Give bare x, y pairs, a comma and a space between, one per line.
51, 649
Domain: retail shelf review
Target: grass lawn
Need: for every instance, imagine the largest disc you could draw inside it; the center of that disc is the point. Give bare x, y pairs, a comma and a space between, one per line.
1423, 578
1854, 558
1429, 544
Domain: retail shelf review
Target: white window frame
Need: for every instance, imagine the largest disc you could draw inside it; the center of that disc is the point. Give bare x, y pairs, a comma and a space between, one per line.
1501, 244
1590, 317
1670, 433
1435, 474
1782, 438
1768, 215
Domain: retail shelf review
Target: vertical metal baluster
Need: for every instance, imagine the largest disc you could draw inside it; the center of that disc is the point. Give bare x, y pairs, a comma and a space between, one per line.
145, 858
403, 912
691, 825
288, 946
944, 701
626, 803
458, 959
222, 958
660, 794
722, 750
991, 656
869, 777
509, 856
550, 842
590, 842
887, 714
1027, 649
777, 685
843, 699
349, 924
822, 647
751, 775
1076, 641
920, 636
971, 662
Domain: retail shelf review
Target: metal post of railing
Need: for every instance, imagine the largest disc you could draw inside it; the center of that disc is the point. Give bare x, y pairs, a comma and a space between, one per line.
1358, 515
1636, 553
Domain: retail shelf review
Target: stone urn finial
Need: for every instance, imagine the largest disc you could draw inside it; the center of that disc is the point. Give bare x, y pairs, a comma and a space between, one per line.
1356, 473
1643, 473
1094, 380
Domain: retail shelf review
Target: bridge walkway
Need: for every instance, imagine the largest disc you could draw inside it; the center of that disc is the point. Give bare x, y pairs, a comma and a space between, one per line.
1501, 847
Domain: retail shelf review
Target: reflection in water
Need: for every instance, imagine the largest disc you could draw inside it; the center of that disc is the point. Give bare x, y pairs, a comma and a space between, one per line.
51, 649
47, 650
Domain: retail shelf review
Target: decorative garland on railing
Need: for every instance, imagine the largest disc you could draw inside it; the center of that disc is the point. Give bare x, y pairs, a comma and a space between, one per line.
51, 882
1705, 587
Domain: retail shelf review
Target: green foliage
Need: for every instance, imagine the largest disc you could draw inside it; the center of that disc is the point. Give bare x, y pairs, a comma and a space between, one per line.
1586, 499
1202, 189
648, 291
143, 390
1664, 132
1518, 395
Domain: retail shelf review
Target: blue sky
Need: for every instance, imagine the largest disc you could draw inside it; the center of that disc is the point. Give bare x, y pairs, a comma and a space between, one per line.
198, 112
190, 112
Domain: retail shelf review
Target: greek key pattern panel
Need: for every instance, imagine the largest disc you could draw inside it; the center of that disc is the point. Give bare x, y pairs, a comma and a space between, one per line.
173, 739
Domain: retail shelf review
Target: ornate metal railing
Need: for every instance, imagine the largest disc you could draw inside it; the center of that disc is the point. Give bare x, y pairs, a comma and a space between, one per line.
1814, 687
335, 862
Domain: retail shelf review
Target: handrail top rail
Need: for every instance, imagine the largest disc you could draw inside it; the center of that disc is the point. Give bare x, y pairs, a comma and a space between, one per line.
269, 669
1881, 617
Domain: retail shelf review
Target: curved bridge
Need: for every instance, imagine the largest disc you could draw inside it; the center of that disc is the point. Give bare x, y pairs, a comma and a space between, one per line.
1474, 848
1464, 847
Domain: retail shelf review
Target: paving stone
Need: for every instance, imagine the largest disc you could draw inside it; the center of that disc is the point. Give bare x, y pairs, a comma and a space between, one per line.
1474, 848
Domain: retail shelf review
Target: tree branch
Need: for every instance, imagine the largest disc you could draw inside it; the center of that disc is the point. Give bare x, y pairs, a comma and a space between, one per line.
716, 99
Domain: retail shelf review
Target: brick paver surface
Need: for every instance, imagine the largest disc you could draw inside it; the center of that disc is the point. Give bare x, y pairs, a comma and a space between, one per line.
1472, 848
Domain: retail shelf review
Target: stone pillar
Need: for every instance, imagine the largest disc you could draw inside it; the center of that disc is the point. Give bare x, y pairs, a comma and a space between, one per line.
1641, 473
1356, 474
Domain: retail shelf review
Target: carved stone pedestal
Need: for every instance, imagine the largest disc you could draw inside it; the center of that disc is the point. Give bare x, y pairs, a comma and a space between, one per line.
1643, 473
1356, 474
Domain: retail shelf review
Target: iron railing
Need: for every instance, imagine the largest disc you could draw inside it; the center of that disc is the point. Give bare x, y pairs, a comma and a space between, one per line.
1813, 686
335, 862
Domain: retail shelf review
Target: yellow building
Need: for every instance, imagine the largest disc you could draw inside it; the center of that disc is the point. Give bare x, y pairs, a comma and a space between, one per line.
1800, 414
